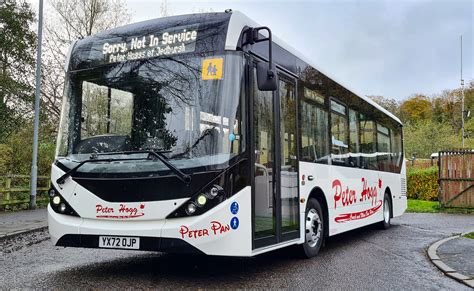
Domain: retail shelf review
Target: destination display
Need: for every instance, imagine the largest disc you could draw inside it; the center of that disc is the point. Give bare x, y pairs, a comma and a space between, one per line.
174, 41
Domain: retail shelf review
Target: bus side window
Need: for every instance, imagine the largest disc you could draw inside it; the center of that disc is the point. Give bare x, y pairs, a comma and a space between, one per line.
383, 148
354, 154
314, 132
397, 151
367, 143
339, 134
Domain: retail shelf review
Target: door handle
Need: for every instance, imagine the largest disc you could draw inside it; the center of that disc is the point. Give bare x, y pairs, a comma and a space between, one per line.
310, 178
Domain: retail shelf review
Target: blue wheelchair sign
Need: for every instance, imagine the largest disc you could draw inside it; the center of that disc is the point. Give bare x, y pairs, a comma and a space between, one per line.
234, 207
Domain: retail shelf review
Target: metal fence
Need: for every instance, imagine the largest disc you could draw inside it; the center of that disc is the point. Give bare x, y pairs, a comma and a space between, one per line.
456, 178
15, 190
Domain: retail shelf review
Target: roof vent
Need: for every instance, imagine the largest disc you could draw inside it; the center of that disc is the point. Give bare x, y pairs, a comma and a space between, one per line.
228, 11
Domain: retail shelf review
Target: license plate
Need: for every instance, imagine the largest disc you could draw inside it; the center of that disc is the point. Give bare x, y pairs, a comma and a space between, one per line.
119, 242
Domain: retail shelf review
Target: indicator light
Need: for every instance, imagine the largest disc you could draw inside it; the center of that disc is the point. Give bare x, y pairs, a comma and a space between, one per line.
214, 191
51, 192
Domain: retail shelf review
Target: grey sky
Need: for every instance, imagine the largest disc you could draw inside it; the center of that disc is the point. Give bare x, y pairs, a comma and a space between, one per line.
388, 48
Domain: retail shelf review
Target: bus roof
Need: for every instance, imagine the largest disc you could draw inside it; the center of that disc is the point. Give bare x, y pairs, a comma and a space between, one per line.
238, 21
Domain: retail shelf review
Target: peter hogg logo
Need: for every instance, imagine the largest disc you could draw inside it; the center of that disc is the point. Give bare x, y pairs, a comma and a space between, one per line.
123, 211
346, 197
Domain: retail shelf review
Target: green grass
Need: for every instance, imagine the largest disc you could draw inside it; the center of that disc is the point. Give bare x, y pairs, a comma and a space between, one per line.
422, 206
469, 235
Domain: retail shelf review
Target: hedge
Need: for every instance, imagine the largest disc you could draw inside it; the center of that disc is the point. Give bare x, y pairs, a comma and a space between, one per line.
6, 161
422, 184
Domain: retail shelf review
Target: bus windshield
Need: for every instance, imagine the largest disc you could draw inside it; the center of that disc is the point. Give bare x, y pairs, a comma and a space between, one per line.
188, 106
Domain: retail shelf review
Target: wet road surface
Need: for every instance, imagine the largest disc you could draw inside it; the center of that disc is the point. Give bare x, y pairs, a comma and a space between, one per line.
368, 258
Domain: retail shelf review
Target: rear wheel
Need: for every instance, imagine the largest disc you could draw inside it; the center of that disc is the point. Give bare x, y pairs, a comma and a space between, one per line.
314, 229
387, 206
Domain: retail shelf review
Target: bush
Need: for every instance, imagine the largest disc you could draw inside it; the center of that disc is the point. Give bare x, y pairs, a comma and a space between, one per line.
422, 184
5, 159
21, 144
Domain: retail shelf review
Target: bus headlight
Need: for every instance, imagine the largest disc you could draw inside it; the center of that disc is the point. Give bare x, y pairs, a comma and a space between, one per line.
201, 200
217, 190
56, 200
191, 208
59, 204
206, 199
62, 207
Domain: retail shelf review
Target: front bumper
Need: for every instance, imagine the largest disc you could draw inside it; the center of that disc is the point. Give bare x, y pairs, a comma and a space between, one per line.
202, 234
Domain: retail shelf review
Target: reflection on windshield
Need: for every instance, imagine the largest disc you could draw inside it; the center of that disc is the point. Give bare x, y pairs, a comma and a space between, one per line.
159, 104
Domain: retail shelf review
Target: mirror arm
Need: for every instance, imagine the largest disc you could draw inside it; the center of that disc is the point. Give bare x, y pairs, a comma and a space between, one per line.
255, 39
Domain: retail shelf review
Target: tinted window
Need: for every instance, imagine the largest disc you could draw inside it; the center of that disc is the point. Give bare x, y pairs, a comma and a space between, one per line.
314, 132
313, 95
339, 133
397, 150
289, 162
353, 138
367, 142
383, 148
105, 110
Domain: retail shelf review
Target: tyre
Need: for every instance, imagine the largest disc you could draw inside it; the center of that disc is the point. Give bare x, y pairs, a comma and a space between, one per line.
386, 208
314, 229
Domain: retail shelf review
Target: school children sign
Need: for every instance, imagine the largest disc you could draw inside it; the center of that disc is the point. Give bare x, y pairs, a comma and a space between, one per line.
151, 45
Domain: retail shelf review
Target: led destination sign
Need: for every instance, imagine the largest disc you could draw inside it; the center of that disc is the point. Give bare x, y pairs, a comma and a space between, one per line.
172, 42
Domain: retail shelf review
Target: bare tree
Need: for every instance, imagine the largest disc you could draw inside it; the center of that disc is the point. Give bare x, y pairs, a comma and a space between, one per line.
164, 9
70, 20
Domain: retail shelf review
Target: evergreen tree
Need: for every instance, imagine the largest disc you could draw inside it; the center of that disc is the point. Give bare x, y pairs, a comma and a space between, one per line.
17, 47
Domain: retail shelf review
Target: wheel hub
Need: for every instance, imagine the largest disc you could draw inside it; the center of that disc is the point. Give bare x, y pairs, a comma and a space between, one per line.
313, 228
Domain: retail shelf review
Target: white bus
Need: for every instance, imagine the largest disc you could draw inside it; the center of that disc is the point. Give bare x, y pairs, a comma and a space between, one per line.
203, 134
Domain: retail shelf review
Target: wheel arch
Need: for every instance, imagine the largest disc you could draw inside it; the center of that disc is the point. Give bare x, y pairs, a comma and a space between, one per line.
318, 194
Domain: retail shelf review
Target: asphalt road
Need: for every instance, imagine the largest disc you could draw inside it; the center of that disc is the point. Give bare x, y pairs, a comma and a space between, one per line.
367, 258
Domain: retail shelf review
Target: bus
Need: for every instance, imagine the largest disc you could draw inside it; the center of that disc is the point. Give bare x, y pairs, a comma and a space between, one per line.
206, 134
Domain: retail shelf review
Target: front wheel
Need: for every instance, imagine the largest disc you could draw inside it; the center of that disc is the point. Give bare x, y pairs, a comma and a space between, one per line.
314, 229
385, 224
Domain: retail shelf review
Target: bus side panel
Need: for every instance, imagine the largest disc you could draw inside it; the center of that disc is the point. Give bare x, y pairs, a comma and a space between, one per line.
357, 198
400, 201
220, 231
354, 196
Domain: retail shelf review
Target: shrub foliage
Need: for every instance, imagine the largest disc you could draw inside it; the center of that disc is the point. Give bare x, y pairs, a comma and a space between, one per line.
422, 184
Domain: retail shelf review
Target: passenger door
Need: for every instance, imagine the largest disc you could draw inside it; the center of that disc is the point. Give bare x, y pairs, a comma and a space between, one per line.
274, 148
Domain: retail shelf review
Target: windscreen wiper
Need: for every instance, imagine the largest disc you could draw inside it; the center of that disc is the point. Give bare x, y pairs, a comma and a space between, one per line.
69, 173
181, 175
159, 155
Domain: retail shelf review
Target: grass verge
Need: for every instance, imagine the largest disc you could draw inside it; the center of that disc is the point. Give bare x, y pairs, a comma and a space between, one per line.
423, 206
469, 235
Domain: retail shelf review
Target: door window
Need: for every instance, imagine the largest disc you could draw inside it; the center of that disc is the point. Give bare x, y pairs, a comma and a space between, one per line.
289, 162
263, 125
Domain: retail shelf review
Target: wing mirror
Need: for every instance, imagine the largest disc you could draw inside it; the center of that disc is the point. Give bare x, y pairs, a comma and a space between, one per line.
266, 73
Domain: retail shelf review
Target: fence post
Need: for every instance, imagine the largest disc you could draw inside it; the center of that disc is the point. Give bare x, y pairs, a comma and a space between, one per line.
8, 184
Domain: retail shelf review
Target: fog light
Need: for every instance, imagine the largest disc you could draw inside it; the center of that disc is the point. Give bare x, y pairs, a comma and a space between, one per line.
191, 208
62, 207
201, 200
214, 191
56, 200
51, 192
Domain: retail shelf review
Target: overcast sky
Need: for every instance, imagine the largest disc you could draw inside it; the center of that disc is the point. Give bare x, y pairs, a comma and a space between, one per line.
373, 47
